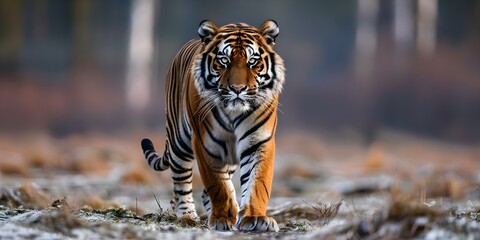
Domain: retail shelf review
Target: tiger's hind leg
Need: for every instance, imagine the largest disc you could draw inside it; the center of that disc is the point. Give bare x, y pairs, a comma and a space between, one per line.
182, 186
181, 165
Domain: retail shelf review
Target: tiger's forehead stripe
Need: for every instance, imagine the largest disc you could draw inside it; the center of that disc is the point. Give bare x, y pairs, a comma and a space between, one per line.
227, 42
242, 26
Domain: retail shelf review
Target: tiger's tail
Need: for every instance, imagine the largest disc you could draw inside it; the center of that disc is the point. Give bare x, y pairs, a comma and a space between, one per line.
154, 160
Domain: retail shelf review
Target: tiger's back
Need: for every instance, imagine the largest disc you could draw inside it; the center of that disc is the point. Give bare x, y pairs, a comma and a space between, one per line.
177, 87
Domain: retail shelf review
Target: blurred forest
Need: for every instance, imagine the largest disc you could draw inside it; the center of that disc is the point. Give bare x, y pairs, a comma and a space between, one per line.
352, 66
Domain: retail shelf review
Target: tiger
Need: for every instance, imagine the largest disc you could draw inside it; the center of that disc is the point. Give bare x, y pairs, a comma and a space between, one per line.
222, 92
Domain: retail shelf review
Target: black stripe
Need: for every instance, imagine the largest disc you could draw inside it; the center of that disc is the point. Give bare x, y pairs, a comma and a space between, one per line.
202, 64
183, 193
186, 132
152, 157
178, 169
219, 119
246, 176
171, 135
179, 179
250, 160
256, 127
272, 58
158, 164
148, 151
171, 131
211, 154
227, 41
254, 148
183, 202
180, 153
241, 118
186, 150
216, 140
247, 41
269, 105
265, 77
269, 85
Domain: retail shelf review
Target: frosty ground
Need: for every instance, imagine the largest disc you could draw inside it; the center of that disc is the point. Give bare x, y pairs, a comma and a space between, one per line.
98, 186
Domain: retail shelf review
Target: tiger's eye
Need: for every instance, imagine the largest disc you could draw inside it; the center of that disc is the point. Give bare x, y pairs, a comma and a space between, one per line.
252, 61
224, 60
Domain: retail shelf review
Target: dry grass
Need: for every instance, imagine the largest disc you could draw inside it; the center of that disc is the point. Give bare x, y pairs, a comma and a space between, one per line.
326, 212
88, 162
12, 162
375, 160
300, 171
95, 202
188, 221
446, 184
58, 221
28, 195
14, 167
403, 207
323, 213
138, 175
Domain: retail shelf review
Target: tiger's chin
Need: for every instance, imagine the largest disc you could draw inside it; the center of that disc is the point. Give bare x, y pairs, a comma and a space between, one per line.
236, 106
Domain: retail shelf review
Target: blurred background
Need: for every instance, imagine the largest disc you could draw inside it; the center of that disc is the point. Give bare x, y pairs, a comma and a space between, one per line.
381, 104
355, 66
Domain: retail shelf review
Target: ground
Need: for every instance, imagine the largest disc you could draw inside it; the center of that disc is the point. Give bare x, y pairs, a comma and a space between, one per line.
98, 186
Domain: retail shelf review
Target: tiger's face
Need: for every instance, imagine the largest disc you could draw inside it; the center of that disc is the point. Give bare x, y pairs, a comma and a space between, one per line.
238, 69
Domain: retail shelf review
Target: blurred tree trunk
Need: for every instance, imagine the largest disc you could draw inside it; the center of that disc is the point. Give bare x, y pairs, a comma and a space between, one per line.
403, 31
81, 30
426, 26
140, 55
365, 58
366, 38
11, 34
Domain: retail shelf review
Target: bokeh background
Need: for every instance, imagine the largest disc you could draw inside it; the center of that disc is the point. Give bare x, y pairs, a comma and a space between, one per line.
380, 114
353, 67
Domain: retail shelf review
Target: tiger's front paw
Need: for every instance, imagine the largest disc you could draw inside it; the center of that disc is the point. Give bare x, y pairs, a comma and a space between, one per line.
222, 223
258, 223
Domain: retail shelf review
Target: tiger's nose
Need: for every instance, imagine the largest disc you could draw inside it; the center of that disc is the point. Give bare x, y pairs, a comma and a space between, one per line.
238, 88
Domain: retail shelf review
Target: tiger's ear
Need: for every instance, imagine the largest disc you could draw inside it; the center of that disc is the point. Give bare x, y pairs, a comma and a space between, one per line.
270, 31
207, 30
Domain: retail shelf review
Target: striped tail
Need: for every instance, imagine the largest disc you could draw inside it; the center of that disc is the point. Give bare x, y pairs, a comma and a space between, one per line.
156, 162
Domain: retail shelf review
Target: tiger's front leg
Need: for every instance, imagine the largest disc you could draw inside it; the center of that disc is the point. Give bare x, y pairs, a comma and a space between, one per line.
216, 178
256, 167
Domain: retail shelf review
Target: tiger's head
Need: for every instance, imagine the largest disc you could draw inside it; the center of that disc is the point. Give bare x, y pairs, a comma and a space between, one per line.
238, 68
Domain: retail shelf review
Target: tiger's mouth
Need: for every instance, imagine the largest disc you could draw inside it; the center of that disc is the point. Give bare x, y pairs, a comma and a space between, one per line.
235, 101
236, 105
238, 101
